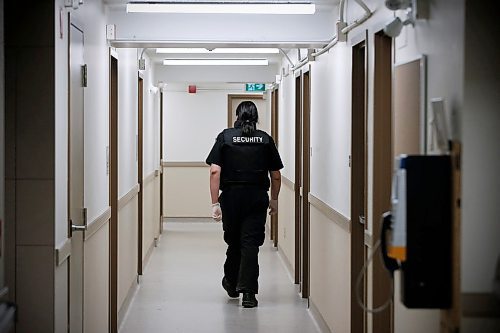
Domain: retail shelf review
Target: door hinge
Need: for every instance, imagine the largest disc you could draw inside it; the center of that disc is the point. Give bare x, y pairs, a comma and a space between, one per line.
84, 76
349, 161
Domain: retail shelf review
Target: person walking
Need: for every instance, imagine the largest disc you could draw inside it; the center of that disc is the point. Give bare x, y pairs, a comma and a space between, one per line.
241, 161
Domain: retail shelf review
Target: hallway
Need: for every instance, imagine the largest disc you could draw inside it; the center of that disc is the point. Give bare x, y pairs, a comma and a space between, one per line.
180, 290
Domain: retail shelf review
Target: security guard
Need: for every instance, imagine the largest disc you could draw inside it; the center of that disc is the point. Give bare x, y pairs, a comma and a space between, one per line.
240, 162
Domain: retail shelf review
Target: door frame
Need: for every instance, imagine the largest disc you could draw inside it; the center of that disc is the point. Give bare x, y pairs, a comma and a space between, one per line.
298, 177
161, 161
274, 135
382, 171
113, 190
359, 168
306, 180
140, 170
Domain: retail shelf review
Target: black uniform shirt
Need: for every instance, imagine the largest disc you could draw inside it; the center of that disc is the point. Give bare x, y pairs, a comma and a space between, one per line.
245, 160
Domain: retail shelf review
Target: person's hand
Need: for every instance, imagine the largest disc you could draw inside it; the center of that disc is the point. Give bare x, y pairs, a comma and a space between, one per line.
216, 212
273, 207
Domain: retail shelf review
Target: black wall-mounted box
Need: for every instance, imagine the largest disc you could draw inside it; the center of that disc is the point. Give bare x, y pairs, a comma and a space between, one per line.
426, 274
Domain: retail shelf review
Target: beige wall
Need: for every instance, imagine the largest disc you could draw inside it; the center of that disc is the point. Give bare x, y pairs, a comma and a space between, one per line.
127, 250
151, 214
187, 191
96, 280
286, 224
330, 270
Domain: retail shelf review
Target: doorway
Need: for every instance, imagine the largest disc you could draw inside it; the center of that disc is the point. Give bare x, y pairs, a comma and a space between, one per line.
359, 168
113, 191
76, 210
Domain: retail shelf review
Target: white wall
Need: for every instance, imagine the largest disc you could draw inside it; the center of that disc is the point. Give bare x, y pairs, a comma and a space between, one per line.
96, 108
151, 122
286, 120
127, 120
331, 128
193, 121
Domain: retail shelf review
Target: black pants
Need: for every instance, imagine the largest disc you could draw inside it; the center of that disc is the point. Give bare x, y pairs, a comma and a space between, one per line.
243, 218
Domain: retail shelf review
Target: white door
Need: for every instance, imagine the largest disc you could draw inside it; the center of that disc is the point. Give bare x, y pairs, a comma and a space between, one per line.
76, 211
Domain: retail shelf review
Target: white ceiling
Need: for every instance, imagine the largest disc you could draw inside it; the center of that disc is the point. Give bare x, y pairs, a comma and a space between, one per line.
145, 31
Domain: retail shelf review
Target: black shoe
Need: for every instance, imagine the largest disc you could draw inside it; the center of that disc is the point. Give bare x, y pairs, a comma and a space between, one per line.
249, 300
231, 292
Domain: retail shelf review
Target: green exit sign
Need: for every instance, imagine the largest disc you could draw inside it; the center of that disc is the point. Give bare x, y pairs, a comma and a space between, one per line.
255, 87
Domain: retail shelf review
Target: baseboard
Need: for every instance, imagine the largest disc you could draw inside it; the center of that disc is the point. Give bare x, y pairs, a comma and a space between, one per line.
318, 318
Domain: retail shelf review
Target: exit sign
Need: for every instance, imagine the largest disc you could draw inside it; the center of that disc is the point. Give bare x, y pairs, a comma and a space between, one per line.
255, 87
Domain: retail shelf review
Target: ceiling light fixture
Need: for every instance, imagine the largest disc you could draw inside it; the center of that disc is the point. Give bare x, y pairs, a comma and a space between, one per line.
222, 7
219, 50
216, 62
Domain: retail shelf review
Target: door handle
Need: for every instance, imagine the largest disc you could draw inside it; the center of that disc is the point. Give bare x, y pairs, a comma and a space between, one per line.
361, 219
75, 227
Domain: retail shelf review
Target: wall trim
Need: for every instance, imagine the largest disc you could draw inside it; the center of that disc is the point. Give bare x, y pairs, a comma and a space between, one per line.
97, 223
149, 178
318, 317
368, 239
183, 164
124, 200
331, 213
288, 183
63, 251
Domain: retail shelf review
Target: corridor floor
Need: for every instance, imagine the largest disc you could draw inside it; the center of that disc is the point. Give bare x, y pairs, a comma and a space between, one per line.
181, 291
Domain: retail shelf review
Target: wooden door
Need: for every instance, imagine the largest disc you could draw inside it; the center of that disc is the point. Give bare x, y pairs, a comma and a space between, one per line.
382, 175
358, 181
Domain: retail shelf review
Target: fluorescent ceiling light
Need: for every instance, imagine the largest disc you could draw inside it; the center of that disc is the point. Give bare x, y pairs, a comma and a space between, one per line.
222, 8
216, 62
219, 50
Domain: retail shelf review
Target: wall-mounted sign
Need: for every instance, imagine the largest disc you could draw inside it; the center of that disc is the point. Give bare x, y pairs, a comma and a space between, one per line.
255, 87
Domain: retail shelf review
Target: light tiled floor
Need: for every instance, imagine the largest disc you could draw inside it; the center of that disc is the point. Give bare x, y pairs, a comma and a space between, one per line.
180, 290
